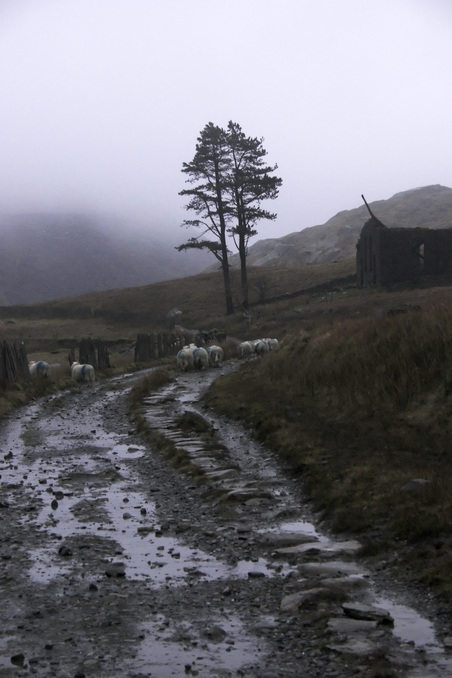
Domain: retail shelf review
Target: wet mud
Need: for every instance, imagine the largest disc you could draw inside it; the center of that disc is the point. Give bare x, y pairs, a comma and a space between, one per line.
115, 563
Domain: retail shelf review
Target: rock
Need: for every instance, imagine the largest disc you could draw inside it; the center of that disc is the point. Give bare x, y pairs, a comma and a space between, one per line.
285, 539
115, 570
245, 494
357, 646
18, 659
365, 612
348, 625
415, 484
215, 633
351, 583
295, 601
332, 567
325, 548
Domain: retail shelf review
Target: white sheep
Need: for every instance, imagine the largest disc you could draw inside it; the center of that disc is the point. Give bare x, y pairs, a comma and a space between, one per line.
185, 359
39, 369
245, 349
200, 358
216, 355
82, 372
261, 347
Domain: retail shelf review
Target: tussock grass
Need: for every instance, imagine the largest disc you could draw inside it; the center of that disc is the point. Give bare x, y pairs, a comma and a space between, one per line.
359, 408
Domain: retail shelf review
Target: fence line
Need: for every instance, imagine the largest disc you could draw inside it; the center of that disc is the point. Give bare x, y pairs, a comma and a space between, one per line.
14, 361
153, 346
93, 353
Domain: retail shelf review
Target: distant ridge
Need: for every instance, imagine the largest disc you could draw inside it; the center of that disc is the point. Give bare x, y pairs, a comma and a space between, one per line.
428, 206
50, 256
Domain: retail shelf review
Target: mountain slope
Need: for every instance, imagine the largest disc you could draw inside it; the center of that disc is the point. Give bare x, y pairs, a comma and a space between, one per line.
48, 256
429, 206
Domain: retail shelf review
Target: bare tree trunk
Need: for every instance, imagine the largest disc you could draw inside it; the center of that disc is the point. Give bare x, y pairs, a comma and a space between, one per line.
227, 287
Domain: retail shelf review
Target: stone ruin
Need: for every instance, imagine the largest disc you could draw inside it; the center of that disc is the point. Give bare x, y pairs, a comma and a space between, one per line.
385, 256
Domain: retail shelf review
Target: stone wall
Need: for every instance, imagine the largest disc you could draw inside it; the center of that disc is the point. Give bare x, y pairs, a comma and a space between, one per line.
386, 256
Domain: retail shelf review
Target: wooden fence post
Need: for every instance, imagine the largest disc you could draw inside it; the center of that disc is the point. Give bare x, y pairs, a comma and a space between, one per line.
87, 353
103, 356
13, 363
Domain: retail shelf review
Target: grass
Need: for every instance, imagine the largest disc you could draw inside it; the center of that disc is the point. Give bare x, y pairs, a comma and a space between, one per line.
359, 408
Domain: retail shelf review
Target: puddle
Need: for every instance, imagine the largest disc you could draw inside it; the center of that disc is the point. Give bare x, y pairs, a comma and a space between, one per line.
44, 569
410, 627
128, 518
5, 656
414, 629
218, 645
124, 451
147, 554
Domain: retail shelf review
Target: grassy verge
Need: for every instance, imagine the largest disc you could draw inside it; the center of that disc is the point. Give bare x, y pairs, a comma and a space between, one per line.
360, 409
180, 459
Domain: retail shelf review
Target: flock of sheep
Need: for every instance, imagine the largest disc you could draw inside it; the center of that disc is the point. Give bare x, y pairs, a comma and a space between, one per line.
246, 349
193, 357
41, 369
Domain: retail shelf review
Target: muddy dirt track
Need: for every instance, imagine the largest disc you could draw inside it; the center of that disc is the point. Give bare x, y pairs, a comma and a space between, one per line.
115, 564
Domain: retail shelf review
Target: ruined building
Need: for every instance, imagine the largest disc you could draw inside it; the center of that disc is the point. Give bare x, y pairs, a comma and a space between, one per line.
385, 256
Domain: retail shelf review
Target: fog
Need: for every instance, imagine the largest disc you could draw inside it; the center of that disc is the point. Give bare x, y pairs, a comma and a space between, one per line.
101, 101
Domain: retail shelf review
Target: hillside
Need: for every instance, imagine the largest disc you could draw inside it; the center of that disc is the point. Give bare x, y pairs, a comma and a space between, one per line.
429, 206
48, 256
52, 256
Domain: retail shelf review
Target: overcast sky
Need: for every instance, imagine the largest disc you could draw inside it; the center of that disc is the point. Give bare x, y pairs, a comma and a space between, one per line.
101, 101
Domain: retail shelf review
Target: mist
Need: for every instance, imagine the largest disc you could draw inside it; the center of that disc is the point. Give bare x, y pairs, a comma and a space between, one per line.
101, 102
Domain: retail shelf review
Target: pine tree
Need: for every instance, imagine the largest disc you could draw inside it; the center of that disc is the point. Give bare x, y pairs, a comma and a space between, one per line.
250, 184
230, 181
207, 199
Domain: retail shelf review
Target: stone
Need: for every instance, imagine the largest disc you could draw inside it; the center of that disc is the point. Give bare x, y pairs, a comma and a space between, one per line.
280, 540
348, 625
365, 612
295, 601
357, 646
325, 548
415, 484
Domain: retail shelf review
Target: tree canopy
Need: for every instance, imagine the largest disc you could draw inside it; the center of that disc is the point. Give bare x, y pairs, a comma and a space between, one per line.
229, 182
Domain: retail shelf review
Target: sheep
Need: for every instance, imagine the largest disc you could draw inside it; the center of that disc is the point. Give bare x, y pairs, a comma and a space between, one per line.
272, 344
82, 372
261, 347
200, 358
185, 359
245, 349
39, 369
216, 355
